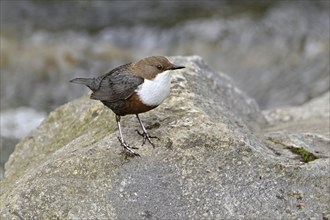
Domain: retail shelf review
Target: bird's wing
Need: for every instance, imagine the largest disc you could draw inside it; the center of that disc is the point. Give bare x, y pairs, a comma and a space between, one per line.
117, 85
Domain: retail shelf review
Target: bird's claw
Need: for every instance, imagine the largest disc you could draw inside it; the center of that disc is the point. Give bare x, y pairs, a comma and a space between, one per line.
146, 137
128, 150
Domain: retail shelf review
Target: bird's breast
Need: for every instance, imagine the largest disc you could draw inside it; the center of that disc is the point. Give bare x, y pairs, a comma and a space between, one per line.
154, 92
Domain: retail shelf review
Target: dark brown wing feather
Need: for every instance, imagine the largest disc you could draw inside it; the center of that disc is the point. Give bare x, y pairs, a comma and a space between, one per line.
116, 85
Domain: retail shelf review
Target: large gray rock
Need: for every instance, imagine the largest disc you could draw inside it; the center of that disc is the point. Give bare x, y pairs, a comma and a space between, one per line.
218, 158
306, 126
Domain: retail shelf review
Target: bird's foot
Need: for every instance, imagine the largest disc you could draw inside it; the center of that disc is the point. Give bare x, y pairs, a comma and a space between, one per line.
146, 137
128, 150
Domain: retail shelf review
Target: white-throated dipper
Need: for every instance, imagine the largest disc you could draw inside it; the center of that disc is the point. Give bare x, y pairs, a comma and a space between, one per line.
133, 88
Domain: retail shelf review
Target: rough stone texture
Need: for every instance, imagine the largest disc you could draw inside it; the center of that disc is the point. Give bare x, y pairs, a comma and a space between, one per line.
306, 126
217, 158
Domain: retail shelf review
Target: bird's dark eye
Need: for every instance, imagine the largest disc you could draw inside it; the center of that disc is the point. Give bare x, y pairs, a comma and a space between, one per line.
159, 67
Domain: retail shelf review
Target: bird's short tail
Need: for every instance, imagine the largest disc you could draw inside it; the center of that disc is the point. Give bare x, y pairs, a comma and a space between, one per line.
89, 82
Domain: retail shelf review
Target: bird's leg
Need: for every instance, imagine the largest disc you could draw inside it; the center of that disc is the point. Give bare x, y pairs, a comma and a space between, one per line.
145, 134
127, 148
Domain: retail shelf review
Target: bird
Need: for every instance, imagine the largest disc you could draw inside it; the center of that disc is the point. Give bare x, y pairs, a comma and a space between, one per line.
133, 88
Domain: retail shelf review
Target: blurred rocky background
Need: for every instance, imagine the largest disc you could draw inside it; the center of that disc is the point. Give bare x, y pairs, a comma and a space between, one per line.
275, 51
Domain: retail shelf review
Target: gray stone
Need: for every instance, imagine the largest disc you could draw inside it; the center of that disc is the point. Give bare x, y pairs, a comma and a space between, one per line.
216, 159
306, 126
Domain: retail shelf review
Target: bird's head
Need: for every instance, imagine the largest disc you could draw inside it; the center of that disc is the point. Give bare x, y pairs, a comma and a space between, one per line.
150, 67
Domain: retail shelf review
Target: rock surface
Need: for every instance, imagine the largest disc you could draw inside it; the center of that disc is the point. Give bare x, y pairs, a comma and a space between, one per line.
219, 157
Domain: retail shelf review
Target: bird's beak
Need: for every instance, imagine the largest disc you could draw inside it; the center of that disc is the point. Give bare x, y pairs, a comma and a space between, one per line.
176, 67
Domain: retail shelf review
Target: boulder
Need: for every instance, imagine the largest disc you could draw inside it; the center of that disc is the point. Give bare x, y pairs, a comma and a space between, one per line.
218, 157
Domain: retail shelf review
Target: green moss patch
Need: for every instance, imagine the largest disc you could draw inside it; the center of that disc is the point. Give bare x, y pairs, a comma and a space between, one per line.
305, 155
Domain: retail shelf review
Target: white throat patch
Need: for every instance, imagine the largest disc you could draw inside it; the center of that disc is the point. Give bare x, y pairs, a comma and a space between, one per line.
154, 92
